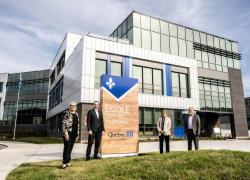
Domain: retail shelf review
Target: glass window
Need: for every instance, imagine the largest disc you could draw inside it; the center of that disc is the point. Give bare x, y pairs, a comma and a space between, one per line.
197, 54
157, 79
145, 22
130, 36
216, 42
173, 46
189, 35
204, 56
147, 81
119, 31
173, 30
218, 59
137, 37
130, 22
146, 39
203, 38
164, 27
224, 61
1, 87
136, 20
137, 73
175, 84
165, 43
211, 58
182, 48
155, 41
124, 27
100, 69
210, 40
196, 36
184, 85
236, 64
116, 69
190, 50
155, 26
222, 44
235, 47
148, 116
205, 65
228, 45
230, 62
181, 32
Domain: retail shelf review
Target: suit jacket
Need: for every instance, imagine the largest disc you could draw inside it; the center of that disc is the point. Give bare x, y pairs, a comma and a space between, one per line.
93, 122
196, 124
166, 128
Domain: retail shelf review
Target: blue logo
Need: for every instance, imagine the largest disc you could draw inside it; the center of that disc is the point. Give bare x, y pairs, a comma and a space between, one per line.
118, 86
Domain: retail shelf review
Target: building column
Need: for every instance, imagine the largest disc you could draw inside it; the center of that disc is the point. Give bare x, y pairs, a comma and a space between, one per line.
238, 103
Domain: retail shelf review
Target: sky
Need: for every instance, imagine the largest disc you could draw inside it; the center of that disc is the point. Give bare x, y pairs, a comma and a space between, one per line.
31, 30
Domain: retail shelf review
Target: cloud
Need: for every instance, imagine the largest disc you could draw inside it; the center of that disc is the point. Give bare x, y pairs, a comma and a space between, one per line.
31, 31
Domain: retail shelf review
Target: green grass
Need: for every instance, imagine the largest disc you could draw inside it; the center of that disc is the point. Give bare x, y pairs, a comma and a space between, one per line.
175, 165
35, 140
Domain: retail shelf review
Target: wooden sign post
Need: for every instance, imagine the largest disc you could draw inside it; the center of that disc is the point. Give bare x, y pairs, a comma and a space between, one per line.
119, 103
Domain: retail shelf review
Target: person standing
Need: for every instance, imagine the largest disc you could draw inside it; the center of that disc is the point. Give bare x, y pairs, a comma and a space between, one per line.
164, 130
192, 127
70, 128
95, 128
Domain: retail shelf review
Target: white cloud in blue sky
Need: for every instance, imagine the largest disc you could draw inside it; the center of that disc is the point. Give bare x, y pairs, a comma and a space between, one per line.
32, 30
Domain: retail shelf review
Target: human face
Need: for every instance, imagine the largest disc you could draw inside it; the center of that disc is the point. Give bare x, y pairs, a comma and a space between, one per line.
72, 108
191, 111
96, 105
165, 114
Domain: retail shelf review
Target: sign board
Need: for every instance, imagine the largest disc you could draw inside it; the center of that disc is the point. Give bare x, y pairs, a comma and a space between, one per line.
119, 103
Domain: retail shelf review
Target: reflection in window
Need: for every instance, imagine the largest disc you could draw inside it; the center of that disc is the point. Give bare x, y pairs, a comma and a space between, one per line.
173, 46
164, 27
146, 39
145, 22
137, 37
100, 69
180, 85
165, 43
155, 41
116, 68
173, 30
182, 48
155, 26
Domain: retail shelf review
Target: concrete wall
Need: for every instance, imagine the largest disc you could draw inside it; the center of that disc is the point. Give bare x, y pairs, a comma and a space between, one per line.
238, 103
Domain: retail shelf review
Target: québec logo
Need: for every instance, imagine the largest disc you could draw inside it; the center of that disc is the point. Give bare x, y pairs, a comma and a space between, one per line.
118, 86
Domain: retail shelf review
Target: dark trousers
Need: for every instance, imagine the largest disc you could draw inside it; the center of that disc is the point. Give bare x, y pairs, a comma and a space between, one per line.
68, 146
161, 139
192, 137
97, 137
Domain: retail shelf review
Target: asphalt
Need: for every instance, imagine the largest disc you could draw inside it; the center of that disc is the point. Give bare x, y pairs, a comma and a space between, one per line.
17, 152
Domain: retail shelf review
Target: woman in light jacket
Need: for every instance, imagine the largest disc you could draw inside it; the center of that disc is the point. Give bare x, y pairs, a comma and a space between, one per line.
164, 130
70, 128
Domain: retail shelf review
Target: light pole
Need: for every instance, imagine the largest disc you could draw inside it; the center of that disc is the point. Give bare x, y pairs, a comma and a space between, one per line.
18, 94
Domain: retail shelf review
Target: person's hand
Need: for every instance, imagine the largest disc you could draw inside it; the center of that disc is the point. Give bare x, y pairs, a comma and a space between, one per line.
90, 132
103, 132
66, 137
77, 138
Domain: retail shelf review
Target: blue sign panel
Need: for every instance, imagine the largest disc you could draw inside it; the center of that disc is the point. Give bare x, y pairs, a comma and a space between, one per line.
118, 86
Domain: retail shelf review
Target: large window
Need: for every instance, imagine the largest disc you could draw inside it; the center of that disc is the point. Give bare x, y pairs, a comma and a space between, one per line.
214, 95
156, 41
100, 69
146, 39
150, 80
55, 95
173, 46
116, 69
180, 86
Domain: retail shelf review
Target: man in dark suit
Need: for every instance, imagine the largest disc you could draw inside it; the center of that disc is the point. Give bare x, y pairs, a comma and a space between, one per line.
192, 127
95, 128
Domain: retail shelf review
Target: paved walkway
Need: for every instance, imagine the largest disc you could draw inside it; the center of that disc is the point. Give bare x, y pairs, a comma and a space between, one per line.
17, 153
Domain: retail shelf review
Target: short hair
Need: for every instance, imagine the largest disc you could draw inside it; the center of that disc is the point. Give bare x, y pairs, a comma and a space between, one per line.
164, 111
72, 103
96, 102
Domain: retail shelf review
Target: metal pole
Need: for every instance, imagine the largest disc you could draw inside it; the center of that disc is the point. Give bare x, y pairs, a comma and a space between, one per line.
14, 135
